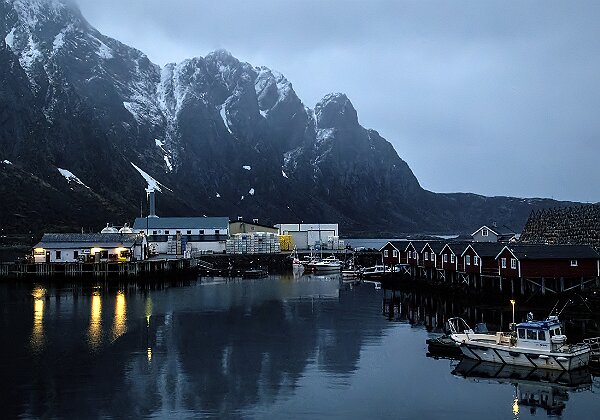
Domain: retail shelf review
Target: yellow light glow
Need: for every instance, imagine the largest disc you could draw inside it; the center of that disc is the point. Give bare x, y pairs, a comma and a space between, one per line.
515, 407
37, 333
39, 251
95, 327
96, 250
120, 321
120, 249
149, 354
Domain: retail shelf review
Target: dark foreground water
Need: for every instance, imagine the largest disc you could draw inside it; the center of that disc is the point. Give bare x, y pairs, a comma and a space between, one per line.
281, 347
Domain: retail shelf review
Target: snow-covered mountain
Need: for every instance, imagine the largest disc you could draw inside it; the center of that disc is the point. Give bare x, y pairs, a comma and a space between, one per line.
224, 138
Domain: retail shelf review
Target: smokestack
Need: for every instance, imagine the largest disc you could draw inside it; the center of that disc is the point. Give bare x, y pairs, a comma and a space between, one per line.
152, 201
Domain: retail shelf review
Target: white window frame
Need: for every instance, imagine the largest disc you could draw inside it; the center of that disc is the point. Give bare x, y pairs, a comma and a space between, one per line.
385, 253
485, 232
445, 258
503, 262
395, 253
513, 263
452, 258
426, 256
574, 263
475, 260
468, 259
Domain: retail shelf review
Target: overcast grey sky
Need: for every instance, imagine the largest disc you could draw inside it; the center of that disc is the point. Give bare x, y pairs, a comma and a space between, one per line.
492, 97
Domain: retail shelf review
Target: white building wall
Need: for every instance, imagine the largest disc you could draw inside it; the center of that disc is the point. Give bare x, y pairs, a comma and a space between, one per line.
315, 233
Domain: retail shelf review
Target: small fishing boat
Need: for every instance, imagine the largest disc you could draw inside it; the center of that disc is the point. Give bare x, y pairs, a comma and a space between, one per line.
457, 330
535, 344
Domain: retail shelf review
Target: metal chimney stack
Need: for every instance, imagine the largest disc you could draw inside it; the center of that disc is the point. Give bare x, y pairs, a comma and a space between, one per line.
152, 201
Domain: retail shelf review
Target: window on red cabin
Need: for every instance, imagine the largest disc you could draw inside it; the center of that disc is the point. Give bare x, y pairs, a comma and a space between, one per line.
503, 262
513, 263
452, 258
427, 256
385, 253
468, 260
475, 260
445, 258
573, 263
395, 253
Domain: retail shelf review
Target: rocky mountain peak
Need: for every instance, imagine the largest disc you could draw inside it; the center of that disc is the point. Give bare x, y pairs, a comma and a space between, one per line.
335, 111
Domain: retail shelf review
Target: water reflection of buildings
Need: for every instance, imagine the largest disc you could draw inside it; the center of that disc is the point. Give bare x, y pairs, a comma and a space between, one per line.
534, 388
218, 348
431, 310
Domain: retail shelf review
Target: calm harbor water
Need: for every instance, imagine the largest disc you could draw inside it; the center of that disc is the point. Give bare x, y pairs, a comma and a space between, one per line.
280, 347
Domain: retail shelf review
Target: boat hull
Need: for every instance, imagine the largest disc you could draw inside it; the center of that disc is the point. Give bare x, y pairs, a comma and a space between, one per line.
526, 357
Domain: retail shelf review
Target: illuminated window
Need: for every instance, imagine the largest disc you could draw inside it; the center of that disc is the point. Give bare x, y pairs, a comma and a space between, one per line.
573, 263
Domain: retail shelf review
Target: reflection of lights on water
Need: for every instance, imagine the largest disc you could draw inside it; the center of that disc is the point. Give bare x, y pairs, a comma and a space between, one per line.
120, 321
37, 333
515, 406
148, 310
149, 354
95, 328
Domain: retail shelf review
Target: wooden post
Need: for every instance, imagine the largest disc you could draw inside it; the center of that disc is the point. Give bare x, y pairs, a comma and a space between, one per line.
543, 286
512, 286
522, 286
562, 284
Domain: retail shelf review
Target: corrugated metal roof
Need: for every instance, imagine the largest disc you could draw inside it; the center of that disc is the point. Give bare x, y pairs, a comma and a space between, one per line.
86, 240
181, 223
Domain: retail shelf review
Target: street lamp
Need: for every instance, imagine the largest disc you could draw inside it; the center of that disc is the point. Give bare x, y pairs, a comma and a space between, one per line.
512, 302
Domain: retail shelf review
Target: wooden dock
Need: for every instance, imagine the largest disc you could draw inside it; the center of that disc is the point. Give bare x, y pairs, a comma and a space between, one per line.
153, 267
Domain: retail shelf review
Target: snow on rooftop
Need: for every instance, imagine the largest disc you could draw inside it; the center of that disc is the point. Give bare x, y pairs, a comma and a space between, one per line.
284, 174
218, 195
153, 184
70, 177
242, 198
247, 167
223, 113
251, 192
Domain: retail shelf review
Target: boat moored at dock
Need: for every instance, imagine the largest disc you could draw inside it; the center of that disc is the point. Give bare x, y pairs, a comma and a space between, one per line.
534, 344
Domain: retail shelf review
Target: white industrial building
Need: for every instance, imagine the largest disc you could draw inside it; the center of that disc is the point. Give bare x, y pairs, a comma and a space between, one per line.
90, 247
312, 235
184, 235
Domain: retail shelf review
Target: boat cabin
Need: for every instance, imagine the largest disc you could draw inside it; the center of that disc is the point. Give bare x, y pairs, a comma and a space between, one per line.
540, 335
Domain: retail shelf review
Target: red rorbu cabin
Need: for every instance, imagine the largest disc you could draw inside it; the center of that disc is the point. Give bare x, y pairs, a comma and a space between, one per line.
551, 261
480, 257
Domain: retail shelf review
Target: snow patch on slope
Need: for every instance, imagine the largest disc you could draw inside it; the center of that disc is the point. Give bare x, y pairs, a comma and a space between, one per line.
251, 192
70, 177
153, 184
223, 113
247, 167
10, 38
7, 162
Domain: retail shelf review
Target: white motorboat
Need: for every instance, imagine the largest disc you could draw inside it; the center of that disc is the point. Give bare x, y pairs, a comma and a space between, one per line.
535, 344
457, 330
327, 264
374, 272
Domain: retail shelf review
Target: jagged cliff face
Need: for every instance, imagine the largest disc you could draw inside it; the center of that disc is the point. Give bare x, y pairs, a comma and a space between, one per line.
225, 137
